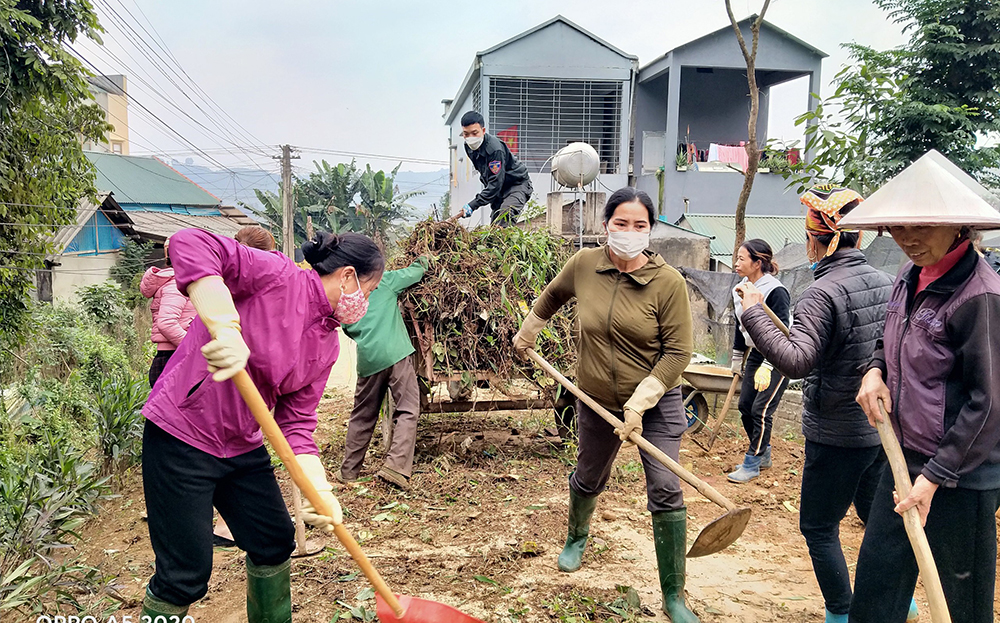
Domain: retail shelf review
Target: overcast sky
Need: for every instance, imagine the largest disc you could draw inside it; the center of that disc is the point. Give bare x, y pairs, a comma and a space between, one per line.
368, 76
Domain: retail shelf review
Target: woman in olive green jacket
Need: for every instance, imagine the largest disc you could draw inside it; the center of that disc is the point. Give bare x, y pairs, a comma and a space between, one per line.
635, 340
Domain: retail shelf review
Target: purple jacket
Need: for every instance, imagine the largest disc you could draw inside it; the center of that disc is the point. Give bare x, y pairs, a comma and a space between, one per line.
172, 311
287, 322
941, 353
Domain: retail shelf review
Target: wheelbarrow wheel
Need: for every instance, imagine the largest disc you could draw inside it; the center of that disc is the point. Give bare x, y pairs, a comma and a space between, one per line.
565, 412
696, 411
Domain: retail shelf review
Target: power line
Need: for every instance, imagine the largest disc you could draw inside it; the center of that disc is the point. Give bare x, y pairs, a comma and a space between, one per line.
163, 46
140, 105
335, 152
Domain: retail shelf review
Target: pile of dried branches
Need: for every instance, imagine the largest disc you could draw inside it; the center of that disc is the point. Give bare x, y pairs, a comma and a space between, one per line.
472, 300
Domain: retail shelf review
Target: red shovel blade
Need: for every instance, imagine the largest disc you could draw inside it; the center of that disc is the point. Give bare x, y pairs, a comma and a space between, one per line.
421, 611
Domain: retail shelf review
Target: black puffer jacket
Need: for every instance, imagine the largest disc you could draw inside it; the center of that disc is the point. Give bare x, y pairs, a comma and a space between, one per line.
837, 321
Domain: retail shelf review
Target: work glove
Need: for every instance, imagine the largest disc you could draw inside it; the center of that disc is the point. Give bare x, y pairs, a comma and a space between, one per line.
313, 469
633, 423
526, 337
466, 211
737, 365
645, 397
227, 353
762, 378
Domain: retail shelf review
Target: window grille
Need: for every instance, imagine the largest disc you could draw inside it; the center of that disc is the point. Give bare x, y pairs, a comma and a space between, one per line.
477, 98
539, 117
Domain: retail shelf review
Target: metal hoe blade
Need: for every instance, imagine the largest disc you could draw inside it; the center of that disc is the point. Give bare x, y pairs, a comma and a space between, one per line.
720, 534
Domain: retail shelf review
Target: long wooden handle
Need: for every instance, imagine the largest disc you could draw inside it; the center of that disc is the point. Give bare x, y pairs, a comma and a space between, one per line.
721, 418
284, 451
911, 521
703, 487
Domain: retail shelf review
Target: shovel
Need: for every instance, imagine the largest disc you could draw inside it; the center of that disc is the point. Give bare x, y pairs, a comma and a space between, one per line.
389, 608
714, 537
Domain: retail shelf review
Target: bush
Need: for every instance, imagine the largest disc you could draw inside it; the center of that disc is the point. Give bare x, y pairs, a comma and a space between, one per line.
128, 270
118, 416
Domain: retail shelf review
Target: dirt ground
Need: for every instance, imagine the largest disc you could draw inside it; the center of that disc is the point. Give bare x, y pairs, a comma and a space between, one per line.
482, 527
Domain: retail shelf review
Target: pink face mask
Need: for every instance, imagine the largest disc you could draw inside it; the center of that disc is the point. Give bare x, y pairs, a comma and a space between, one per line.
352, 306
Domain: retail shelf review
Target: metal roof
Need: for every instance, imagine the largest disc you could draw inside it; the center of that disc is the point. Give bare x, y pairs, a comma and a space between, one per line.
545, 24
777, 231
165, 224
139, 180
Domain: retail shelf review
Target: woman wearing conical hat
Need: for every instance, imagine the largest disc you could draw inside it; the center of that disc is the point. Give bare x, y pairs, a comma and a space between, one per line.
937, 372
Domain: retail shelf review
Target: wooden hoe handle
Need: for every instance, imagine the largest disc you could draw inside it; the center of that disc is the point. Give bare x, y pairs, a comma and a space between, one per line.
284, 451
703, 487
911, 521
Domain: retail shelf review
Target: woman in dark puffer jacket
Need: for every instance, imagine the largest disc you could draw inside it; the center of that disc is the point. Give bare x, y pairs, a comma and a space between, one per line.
837, 322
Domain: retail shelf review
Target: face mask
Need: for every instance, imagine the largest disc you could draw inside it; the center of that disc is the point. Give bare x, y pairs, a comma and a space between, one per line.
474, 142
352, 306
628, 244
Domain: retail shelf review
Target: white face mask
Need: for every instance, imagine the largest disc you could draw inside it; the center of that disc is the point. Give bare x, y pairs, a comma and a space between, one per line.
474, 142
628, 244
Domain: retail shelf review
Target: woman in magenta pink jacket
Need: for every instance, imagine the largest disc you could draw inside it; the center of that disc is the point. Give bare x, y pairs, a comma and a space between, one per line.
202, 446
172, 313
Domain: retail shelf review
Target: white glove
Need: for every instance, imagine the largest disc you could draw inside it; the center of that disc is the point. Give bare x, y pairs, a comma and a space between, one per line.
227, 353
526, 337
313, 469
762, 377
633, 423
737, 365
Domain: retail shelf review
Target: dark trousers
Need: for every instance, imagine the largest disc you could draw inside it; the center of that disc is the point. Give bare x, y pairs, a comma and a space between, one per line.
401, 380
662, 426
505, 211
181, 484
159, 363
961, 530
757, 408
832, 479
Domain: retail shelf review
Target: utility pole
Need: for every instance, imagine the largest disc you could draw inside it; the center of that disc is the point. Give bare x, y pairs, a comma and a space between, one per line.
287, 203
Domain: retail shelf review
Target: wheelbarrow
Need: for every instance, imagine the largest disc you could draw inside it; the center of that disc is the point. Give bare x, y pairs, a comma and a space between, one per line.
707, 379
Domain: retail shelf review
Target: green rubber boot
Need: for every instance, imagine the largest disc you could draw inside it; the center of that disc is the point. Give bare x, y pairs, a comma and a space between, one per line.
269, 593
670, 541
153, 607
580, 510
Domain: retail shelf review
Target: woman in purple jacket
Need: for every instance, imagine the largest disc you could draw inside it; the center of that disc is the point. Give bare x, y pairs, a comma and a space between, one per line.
937, 373
201, 444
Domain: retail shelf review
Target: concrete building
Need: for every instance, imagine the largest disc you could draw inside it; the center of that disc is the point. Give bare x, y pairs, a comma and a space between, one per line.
697, 94
539, 91
111, 94
558, 83
142, 199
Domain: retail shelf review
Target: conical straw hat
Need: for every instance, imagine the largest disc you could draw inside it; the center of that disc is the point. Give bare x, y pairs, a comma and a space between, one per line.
931, 191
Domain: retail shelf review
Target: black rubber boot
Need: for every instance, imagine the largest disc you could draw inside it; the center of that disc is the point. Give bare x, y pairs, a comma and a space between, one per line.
580, 510
670, 541
269, 593
153, 607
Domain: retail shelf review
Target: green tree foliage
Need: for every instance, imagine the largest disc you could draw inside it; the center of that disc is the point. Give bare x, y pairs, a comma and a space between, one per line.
382, 207
45, 109
938, 91
342, 198
129, 268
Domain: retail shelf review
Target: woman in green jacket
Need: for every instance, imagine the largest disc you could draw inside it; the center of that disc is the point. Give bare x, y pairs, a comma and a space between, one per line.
635, 340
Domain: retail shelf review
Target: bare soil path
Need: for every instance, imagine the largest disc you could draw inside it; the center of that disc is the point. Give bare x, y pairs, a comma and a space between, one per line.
483, 525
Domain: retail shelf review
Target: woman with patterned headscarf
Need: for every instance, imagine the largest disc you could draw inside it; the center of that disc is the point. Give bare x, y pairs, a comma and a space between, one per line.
837, 322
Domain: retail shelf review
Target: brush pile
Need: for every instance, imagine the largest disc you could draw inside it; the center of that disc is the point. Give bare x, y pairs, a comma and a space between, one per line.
471, 302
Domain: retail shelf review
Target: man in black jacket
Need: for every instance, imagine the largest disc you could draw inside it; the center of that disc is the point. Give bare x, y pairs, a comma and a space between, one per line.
506, 185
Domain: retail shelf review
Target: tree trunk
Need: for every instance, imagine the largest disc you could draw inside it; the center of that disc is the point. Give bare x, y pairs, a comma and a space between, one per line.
753, 149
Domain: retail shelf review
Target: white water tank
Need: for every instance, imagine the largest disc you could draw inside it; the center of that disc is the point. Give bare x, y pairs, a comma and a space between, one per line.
576, 164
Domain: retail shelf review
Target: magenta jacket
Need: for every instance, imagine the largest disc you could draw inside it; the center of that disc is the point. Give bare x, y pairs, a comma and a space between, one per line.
172, 311
288, 324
